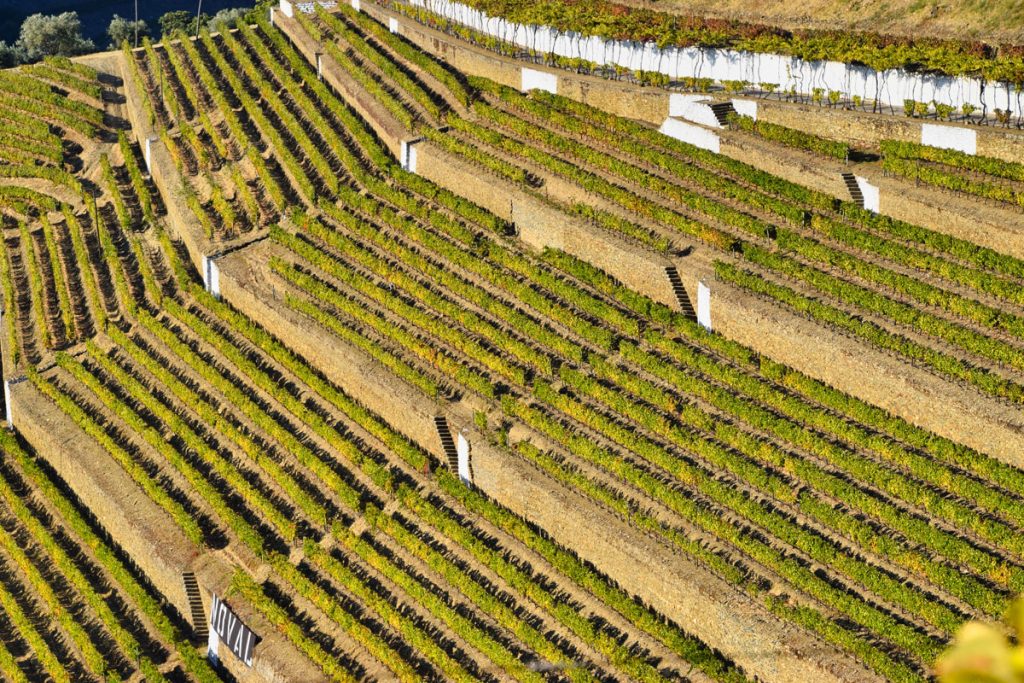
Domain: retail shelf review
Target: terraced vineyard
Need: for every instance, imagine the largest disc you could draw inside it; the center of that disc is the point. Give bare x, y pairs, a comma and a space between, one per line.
977, 176
855, 271
398, 571
220, 436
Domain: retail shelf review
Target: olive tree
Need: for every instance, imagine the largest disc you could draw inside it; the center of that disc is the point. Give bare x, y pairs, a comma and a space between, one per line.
11, 55
59, 34
228, 18
122, 29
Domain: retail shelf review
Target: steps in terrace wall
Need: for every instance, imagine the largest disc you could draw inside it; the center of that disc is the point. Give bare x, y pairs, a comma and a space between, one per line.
195, 603
722, 111
699, 601
150, 538
447, 442
541, 224
685, 304
275, 658
854, 189
973, 219
249, 285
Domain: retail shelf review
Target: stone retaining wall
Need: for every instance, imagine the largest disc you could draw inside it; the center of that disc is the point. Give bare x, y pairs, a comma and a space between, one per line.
867, 129
144, 530
964, 217
912, 393
542, 225
955, 411
383, 122
699, 601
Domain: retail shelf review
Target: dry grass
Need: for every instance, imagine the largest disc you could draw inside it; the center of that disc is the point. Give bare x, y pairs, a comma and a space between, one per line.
994, 21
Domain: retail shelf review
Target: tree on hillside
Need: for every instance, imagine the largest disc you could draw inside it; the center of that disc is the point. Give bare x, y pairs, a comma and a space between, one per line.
10, 55
59, 34
228, 18
122, 29
181, 19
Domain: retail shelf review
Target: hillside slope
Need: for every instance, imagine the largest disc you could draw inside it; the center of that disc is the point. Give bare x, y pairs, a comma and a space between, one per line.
996, 22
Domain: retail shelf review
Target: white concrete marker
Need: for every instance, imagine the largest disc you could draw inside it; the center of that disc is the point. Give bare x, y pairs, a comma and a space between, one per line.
704, 305
463, 451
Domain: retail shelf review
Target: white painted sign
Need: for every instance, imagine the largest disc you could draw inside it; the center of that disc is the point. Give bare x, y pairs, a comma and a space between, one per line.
949, 137
695, 135
7, 403
704, 305
870, 194
225, 625
393, 24
320, 66
356, 6
462, 449
745, 108
287, 9
539, 80
213, 646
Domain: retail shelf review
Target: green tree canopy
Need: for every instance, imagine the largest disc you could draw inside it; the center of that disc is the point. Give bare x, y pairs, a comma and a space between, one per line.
228, 18
183, 20
60, 34
122, 29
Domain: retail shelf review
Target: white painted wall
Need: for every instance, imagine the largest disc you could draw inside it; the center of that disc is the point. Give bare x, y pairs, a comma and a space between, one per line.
532, 79
211, 275
695, 135
407, 151
870, 193
745, 108
287, 9
462, 449
888, 87
393, 24
147, 154
704, 305
950, 137
696, 108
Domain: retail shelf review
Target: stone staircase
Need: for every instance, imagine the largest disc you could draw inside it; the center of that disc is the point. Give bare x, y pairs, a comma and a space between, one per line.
685, 305
855, 194
721, 110
447, 442
195, 603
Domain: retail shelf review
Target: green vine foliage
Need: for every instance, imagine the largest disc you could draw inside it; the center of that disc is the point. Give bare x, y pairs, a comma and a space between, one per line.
791, 137
613, 21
